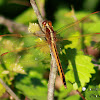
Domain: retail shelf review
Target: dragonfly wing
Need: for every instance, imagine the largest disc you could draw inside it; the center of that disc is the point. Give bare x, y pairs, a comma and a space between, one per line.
25, 51
86, 33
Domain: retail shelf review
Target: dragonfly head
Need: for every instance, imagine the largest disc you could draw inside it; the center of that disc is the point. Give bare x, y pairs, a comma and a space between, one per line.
45, 23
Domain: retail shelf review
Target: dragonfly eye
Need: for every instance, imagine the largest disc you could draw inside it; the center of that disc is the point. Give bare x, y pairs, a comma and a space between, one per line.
44, 23
50, 23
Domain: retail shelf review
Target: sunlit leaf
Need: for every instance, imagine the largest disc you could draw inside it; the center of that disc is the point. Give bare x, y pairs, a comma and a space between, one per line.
80, 70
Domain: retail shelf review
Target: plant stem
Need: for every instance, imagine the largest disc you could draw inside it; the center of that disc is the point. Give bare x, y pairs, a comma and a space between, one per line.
80, 95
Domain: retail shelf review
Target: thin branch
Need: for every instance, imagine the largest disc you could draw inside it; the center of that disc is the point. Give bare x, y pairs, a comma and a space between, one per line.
9, 90
53, 69
13, 26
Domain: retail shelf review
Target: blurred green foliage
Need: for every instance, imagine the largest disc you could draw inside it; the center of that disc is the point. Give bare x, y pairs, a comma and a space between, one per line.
26, 70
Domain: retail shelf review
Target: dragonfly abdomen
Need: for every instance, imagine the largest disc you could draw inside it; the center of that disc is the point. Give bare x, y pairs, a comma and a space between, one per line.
55, 52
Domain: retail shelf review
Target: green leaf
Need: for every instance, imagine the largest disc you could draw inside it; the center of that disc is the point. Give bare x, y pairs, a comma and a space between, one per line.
80, 70
92, 93
33, 86
75, 42
73, 97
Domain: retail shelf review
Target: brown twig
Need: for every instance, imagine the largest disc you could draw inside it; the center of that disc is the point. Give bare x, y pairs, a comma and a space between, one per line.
53, 69
9, 90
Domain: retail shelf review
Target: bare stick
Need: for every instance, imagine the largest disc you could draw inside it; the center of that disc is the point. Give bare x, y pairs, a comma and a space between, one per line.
52, 78
9, 90
13, 26
53, 69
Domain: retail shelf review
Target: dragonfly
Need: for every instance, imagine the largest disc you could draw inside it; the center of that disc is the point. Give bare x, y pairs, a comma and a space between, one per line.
50, 36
